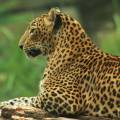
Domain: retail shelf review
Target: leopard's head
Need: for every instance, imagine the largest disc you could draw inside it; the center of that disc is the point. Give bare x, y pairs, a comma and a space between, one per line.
38, 37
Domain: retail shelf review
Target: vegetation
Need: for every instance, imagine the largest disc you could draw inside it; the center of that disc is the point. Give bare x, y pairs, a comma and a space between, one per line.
20, 76
110, 41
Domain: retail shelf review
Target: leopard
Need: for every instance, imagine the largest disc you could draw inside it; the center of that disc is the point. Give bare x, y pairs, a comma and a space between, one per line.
80, 78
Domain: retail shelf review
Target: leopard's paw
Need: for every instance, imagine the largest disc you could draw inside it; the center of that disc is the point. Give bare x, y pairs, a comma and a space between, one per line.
2, 104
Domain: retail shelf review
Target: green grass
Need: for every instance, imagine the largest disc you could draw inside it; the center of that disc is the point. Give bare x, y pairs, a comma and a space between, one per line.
111, 41
19, 76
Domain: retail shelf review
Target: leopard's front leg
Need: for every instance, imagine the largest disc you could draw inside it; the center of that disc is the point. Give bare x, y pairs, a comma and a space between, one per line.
19, 102
56, 102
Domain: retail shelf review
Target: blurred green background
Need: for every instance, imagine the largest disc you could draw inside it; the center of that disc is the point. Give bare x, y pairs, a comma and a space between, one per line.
20, 76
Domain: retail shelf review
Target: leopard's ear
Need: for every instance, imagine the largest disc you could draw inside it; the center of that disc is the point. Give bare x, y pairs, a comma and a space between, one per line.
50, 19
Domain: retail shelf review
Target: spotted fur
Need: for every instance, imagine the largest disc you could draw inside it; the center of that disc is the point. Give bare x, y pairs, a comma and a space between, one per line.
79, 77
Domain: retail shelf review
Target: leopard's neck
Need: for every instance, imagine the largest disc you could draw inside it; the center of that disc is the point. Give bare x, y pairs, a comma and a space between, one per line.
74, 47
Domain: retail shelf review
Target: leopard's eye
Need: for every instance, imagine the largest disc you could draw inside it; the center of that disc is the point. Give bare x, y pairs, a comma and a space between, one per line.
33, 31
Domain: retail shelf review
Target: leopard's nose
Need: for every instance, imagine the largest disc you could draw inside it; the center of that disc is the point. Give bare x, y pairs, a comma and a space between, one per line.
21, 47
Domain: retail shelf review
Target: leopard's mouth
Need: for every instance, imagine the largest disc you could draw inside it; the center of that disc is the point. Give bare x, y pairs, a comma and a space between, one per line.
33, 52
